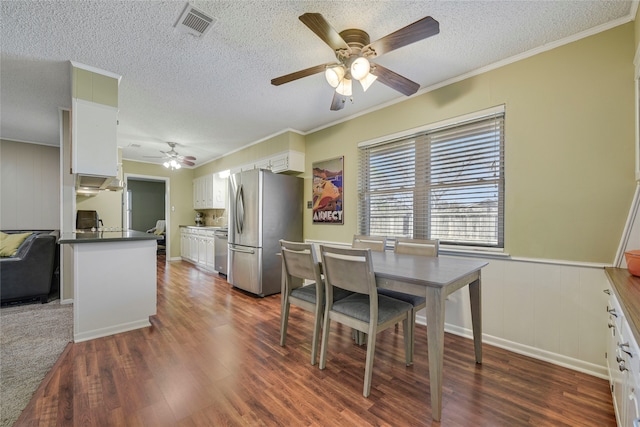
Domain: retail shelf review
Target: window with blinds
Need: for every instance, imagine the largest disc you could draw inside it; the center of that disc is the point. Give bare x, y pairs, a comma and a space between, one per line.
443, 183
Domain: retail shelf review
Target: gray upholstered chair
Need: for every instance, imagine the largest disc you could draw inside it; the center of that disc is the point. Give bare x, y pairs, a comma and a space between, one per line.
301, 264
159, 230
375, 243
366, 311
412, 247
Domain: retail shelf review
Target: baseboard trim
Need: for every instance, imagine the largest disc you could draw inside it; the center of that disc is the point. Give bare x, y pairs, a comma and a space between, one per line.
112, 330
525, 350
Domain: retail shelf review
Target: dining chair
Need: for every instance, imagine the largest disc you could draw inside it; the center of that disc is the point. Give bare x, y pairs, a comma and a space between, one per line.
301, 264
420, 247
375, 243
351, 270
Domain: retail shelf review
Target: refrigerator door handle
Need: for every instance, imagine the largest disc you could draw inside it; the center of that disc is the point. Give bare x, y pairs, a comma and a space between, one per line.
244, 251
239, 219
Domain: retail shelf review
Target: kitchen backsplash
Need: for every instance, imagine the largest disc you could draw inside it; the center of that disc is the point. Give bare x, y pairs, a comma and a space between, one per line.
214, 217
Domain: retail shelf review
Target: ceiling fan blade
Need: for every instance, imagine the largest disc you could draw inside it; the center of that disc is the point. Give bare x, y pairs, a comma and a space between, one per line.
187, 163
188, 158
300, 74
419, 30
395, 80
324, 30
338, 101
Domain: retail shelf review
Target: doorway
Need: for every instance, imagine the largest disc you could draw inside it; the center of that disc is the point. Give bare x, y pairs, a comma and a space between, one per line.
146, 201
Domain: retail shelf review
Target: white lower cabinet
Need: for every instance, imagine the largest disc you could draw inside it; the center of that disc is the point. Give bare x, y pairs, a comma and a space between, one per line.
623, 362
185, 245
197, 246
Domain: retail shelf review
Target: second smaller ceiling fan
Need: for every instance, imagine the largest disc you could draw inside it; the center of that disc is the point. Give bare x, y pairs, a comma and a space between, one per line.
173, 159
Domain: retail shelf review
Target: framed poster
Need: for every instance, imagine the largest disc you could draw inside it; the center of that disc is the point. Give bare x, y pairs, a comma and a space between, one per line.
327, 191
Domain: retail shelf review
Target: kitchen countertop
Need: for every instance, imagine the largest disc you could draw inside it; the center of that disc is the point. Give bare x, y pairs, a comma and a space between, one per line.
106, 236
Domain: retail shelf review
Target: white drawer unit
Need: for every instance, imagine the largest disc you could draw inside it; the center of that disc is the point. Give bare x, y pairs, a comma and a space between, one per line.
623, 362
198, 246
629, 368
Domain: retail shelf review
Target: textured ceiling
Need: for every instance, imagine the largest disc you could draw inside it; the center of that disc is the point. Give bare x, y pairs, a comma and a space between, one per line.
213, 95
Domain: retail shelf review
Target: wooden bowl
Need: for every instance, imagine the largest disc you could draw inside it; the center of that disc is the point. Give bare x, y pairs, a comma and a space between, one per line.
633, 261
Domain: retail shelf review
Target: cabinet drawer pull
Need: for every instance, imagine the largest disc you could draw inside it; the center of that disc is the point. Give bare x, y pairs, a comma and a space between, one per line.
624, 347
612, 311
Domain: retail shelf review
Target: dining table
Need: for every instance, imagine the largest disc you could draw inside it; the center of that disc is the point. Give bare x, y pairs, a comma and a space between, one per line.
434, 278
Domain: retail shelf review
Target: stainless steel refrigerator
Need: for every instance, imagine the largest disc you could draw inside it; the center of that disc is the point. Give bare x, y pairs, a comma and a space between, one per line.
264, 207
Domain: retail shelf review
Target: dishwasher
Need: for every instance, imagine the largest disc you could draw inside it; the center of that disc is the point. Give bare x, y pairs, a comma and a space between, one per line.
220, 250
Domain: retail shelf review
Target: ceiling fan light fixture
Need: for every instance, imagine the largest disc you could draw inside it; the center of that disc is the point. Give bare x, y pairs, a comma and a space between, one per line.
334, 75
360, 68
344, 88
367, 81
172, 165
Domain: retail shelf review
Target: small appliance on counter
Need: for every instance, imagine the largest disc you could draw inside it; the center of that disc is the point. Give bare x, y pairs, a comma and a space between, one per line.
87, 220
199, 219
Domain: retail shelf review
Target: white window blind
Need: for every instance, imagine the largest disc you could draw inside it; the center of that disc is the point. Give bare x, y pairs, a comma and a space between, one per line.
445, 183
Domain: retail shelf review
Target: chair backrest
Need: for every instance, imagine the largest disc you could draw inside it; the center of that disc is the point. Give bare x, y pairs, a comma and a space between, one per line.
300, 261
375, 243
417, 247
349, 269
160, 226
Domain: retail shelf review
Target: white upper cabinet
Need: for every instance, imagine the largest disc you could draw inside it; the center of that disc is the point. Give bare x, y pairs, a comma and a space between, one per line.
94, 138
219, 192
286, 161
209, 192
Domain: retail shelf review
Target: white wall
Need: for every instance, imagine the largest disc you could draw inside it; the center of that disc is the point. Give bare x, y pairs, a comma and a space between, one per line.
547, 310
29, 186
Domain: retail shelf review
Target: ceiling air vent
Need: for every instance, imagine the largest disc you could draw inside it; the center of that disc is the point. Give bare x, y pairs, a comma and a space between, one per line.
194, 22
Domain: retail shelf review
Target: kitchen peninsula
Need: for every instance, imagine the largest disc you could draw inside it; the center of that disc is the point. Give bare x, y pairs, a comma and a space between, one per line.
114, 281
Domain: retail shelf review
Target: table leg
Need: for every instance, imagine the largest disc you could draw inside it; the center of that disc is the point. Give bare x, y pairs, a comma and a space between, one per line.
475, 296
435, 336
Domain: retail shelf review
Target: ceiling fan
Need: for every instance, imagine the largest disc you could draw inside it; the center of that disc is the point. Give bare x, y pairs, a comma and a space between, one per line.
173, 159
353, 51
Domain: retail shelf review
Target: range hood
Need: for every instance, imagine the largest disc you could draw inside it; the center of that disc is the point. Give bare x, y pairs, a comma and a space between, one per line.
91, 184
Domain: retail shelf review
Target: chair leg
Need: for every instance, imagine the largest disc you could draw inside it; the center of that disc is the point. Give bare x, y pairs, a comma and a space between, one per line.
325, 340
407, 328
368, 370
412, 329
359, 337
284, 320
316, 332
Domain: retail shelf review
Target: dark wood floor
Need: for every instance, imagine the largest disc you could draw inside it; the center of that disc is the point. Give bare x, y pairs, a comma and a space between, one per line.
212, 358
